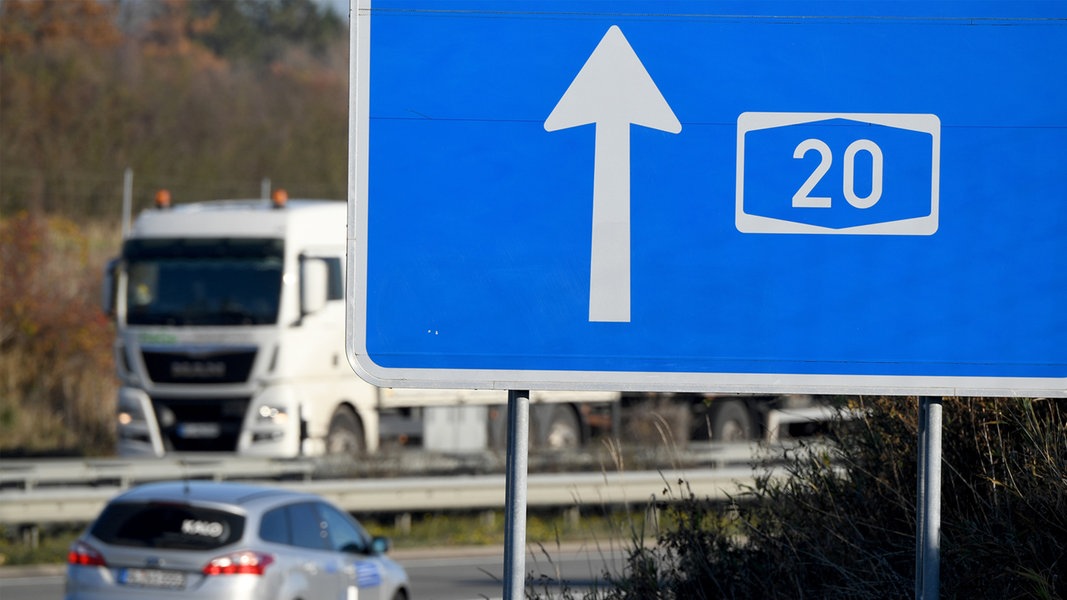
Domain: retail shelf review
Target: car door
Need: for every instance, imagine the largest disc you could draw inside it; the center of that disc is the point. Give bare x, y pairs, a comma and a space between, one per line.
309, 560
362, 568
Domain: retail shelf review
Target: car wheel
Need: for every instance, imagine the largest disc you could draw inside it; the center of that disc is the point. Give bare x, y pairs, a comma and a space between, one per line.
345, 435
731, 421
400, 595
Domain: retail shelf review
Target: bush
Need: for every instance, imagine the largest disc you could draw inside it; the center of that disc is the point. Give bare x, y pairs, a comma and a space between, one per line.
57, 385
844, 525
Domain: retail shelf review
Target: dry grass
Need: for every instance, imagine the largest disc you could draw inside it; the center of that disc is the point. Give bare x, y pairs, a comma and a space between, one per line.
824, 534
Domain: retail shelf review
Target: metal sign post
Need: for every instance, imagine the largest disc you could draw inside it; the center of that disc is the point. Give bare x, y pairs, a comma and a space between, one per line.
515, 495
928, 501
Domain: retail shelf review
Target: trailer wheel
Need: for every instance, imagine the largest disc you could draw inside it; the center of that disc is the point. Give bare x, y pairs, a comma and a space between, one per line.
731, 421
559, 428
345, 435
564, 430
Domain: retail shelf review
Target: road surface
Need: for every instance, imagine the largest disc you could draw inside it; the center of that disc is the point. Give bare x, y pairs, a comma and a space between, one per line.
467, 573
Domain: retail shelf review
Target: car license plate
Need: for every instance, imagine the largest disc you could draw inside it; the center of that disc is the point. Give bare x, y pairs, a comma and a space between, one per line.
198, 431
152, 578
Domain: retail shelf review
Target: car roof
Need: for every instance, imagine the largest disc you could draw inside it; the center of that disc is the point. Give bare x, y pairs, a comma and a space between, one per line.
244, 495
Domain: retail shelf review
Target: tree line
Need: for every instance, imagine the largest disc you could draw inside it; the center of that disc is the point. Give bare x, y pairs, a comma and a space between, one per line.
200, 97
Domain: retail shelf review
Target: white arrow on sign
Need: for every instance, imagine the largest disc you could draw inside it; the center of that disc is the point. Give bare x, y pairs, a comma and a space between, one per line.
612, 90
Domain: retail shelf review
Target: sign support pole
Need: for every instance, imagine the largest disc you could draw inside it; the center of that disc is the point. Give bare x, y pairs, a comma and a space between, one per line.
928, 502
515, 495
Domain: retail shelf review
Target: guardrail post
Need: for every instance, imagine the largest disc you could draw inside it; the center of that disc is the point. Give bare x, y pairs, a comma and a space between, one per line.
31, 536
572, 516
402, 523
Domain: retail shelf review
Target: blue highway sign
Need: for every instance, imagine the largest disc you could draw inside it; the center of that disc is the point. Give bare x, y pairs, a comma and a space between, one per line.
747, 196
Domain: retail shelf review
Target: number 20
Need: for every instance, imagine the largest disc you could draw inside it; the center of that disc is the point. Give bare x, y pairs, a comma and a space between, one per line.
801, 198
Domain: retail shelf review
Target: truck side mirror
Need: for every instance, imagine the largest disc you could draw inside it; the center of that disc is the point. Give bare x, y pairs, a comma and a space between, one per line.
110, 287
313, 284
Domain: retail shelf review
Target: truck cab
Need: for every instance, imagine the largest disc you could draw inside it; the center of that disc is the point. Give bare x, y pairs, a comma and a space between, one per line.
230, 332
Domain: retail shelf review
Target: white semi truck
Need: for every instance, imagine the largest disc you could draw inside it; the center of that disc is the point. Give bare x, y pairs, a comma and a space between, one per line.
230, 319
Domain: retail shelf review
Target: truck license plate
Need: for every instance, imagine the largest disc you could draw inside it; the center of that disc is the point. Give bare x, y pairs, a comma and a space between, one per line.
198, 431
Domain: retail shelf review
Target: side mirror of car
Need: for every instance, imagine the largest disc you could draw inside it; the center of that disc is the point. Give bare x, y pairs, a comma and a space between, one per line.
380, 545
353, 548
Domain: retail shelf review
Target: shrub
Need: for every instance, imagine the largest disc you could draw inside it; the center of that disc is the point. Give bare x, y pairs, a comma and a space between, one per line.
844, 525
57, 388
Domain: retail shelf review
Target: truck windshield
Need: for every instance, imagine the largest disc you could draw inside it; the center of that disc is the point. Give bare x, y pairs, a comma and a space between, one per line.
203, 281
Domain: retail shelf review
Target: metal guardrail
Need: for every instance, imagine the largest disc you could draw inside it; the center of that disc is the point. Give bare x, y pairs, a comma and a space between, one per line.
42, 505
45, 491
543, 490
28, 474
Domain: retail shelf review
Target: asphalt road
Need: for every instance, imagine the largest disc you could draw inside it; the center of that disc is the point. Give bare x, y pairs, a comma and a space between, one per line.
438, 574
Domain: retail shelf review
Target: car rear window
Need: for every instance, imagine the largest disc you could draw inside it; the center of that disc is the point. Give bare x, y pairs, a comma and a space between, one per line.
165, 525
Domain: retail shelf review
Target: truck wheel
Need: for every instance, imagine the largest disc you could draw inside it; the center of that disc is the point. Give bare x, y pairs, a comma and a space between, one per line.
345, 435
658, 419
559, 428
731, 421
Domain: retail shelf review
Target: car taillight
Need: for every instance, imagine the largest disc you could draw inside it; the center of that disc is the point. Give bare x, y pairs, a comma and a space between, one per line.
239, 563
85, 555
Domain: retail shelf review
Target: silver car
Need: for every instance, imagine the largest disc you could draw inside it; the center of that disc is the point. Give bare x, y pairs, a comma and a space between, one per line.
229, 541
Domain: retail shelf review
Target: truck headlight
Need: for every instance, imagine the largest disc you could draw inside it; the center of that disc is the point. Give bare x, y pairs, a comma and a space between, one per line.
129, 412
272, 414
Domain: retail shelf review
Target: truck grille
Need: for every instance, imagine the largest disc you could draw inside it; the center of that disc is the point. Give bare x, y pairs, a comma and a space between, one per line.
200, 424
222, 366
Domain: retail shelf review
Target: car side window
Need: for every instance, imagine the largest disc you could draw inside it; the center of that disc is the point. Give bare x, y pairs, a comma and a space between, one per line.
307, 528
344, 533
274, 526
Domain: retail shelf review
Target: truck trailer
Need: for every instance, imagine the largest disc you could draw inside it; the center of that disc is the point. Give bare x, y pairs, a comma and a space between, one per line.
230, 320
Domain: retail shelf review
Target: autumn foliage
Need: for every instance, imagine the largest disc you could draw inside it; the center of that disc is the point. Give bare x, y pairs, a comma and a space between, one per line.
204, 98
57, 389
